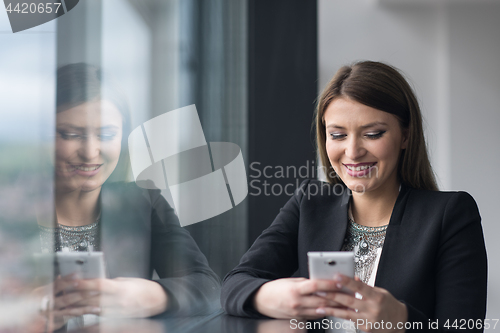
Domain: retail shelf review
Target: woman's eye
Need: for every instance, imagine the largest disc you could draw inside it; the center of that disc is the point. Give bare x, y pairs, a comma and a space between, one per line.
375, 135
69, 135
336, 136
107, 136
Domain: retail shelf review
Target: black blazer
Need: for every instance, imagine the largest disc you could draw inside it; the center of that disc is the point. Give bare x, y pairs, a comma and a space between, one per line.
141, 233
433, 258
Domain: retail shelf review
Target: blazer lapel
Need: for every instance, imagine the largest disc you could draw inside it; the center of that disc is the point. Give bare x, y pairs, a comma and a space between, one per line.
387, 272
324, 223
339, 221
125, 233
331, 221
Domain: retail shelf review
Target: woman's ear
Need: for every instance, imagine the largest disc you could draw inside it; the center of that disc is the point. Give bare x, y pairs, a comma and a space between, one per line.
405, 138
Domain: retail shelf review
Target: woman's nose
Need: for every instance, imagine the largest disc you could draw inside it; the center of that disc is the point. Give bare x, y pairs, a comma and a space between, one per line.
90, 148
354, 150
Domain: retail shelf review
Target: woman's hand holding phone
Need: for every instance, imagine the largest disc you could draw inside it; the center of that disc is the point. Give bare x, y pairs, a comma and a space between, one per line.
313, 299
57, 305
70, 297
119, 297
376, 306
296, 298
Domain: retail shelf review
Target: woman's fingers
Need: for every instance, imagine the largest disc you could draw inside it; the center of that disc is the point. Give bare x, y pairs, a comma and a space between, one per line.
78, 311
342, 313
64, 283
97, 301
316, 294
100, 285
354, 285
328, 295
350, 301
308, 287
75, 298
314, 302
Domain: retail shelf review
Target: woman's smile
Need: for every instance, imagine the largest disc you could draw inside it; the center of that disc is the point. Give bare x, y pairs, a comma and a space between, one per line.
87, 170
359, 169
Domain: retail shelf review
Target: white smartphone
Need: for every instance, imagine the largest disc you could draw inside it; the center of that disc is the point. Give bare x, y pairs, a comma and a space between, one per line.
86, 265
324, 265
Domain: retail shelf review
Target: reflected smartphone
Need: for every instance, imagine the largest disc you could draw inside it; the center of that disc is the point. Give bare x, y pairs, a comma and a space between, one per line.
86, 265
324, 265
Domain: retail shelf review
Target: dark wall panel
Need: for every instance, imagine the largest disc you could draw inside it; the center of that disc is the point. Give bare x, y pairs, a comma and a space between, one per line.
282, 91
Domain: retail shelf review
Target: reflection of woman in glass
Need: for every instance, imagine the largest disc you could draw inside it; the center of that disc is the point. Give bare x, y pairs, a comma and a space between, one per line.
419, 253
136, 229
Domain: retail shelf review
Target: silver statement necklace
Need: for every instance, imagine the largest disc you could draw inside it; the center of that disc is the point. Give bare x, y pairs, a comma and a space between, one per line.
71, 239
364, 242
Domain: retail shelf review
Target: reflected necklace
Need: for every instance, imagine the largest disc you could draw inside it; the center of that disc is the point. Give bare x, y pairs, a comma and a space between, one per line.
364, 242
72, 239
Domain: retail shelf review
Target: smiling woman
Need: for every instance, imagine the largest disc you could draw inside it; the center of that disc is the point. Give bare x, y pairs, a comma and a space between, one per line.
135, 229
419, 254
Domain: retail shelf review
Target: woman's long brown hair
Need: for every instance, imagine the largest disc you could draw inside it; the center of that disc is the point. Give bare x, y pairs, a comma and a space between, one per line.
384, 88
